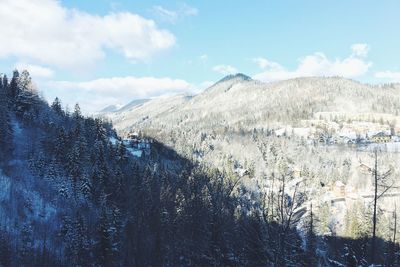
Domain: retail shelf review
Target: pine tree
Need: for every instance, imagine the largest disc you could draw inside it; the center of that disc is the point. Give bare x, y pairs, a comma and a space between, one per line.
5, 249
74, 165
86, 187
56, 106
26, 251
311, 240
100, 171
77, 115
6, 138
13, 87
104, 253
26, 99
82, 243
60, 146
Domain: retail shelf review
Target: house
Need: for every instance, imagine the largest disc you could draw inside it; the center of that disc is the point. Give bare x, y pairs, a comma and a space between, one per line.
133, 136
365, 169
297, 172
334, 140
395, 138
380, 137
323, 138
339, 189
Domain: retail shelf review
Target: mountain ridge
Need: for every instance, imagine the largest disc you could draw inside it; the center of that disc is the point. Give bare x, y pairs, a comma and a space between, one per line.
240, 101
234, 79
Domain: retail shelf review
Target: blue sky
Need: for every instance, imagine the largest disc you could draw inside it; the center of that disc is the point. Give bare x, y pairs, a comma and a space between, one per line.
110, 52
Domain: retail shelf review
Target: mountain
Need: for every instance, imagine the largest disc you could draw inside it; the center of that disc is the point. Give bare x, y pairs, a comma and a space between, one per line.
314, 133
140, 113
211, 191
237, 100
132, 104
73, 194
118, 108
109, 109
235, 78
235, 116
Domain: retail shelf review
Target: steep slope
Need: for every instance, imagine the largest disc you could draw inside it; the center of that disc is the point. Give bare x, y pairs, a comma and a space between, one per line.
132, 104
109, 109
147, 110
246, 129
72, 195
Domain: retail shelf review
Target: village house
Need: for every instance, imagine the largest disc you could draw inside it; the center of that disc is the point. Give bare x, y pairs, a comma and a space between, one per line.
297, 172
380, 137
338, 188
137, 145
364, 169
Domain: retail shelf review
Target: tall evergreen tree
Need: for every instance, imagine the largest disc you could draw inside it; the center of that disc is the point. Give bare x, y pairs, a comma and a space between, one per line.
56, 106
13, 87
6, 138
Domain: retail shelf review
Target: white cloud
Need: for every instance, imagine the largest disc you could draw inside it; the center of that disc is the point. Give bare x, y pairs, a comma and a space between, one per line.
173, 16
204, 57
225, 69
35, 71
96, 94
166, 14
391, 76
318, 64
264, 63
45, 32
187, 10
360, 50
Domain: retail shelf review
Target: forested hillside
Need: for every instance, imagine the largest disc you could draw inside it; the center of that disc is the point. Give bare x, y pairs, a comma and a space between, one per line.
308, 139
71, 197
71, 194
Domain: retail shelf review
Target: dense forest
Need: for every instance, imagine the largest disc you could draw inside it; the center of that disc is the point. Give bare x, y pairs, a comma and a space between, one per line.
71, 197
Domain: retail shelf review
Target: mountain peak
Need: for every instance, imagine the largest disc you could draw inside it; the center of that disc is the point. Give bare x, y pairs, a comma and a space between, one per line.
110, 108
238, 76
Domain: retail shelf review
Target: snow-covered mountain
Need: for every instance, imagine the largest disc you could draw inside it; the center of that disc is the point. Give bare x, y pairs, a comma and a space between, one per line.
314, 130
109, 109
72, 193
239, 101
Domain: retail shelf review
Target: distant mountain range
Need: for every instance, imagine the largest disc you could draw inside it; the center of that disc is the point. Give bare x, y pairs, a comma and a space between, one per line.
127, 107
241, 102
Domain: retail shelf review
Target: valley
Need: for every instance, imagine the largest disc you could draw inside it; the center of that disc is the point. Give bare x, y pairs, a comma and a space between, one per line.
320, 132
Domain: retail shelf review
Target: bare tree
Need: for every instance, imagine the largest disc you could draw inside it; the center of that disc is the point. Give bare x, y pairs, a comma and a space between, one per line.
381, 186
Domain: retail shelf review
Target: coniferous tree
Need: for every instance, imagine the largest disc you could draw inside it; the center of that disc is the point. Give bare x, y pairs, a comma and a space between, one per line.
6, 137
26, 250
311, 240
104, 250
5, 249
61, 145
26, 98
13, 87
56, 106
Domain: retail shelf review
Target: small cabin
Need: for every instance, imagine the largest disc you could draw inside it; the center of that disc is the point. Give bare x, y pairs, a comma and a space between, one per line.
297, 173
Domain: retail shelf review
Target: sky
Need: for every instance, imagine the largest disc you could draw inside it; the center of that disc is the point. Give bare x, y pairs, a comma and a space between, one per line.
104, 52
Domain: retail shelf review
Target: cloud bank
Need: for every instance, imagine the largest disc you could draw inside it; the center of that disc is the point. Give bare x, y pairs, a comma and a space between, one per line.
317, 64
96, 94
225, 69
173, 16
45, 32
